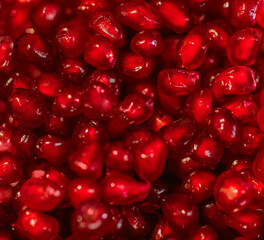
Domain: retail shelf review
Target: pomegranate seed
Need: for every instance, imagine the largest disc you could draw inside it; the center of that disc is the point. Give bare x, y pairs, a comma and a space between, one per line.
150, 158
119, 189
7, 52
138, 15
70, 39
99, 102
100, 52
104, 24
44, 227
81, 190
28, 108
41, 194
180, 212
192, 49
175, 15
243, 46
178, 81
205, 232
90, 219
232, 192
147, 43
243, 13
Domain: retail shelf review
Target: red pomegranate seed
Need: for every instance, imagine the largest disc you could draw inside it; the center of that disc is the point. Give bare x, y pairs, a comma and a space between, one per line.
138, 15
243, 46
44, 227
180, 212
41, 194
120, 189
175, 15
232, 192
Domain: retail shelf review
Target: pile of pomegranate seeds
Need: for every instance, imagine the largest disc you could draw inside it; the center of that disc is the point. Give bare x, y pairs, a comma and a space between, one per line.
131, 119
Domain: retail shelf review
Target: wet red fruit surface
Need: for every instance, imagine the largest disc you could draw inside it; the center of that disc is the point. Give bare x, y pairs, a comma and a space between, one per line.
131, 119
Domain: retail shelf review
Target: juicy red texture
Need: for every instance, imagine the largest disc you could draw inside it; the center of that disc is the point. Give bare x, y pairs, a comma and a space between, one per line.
178, 81
199, 185
147, 43
131, 119
100, 52
243, 46
28, 108
150, 158
7, 51
120, 189
104, 24
87, 161
53, 149
70, 39
138, 15
232, 192
99, 102
175, 15
181, 213
45, 227
41, 194
81, 190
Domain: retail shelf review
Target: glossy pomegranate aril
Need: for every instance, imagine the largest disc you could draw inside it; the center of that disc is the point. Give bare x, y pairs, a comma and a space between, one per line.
173, 81
258, 166
223, 126
48, 85
46, 16
90, 219
136, 108
88, 131
28, 108
234, 80
10, 168
70, 39
104, 24
158, 120
58, 126
247, 222
87, 161
242, 13
232, 192
192, 49
81, 190
147, 43
206, 151
33, 48
99, 102
120, 189
119, 157
150, 158
198, 105
219, 32
100, 52
180, 212
24, 141
175, 15
244, 107
138, 14
109, 78
36, 225
5, 195
179, 134
199, 185
73, 70
41, 194
205, 232
53, 149
68, 103
133, 66
6, 52
243, 46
